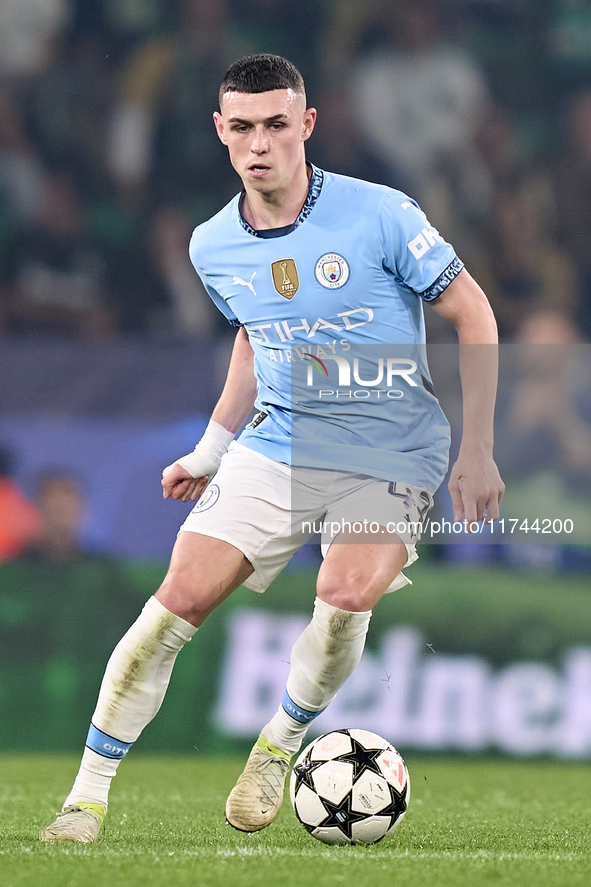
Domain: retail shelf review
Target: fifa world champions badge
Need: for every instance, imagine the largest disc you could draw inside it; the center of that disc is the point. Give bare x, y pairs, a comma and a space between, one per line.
285, 278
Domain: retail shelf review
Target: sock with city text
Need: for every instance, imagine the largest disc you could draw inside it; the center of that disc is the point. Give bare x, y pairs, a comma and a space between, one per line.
322, 658
132, 691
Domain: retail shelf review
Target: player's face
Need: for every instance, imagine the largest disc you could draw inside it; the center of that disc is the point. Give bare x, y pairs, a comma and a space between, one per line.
265, 134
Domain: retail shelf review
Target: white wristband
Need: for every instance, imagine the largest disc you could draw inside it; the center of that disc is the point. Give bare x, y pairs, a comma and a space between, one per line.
207, 455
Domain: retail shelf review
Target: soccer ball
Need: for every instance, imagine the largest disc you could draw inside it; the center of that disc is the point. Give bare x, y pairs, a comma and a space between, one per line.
349, 787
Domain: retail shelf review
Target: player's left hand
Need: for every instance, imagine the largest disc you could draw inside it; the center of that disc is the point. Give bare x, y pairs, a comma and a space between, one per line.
475, 487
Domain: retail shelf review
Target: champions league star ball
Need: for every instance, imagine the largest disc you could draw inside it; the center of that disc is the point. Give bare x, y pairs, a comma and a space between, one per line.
349, 787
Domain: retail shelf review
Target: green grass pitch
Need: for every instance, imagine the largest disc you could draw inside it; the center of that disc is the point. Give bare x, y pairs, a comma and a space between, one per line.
470, 823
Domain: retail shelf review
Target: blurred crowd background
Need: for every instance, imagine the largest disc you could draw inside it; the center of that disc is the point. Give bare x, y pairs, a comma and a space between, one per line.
479, 109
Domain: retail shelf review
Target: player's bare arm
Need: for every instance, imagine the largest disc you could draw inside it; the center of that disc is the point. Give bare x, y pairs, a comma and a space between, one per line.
235, 404
475, 484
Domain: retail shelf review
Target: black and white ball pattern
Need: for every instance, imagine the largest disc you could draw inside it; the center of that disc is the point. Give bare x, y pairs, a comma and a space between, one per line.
350, 787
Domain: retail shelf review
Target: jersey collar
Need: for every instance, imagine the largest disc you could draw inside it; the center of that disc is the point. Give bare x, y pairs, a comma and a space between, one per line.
314, 189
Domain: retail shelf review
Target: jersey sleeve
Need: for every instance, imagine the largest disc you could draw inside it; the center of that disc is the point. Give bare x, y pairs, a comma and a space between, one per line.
218, 301
415, 252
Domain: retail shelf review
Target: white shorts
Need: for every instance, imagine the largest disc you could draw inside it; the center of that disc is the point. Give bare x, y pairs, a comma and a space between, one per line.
268, 511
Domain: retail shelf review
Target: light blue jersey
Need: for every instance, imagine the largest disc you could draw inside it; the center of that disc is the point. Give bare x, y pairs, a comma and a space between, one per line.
323, 302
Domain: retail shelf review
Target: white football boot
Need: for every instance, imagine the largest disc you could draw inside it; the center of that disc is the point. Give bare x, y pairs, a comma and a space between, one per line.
78, 822
255, 800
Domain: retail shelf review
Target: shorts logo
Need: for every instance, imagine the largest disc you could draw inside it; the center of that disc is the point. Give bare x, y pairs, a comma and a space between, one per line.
285, 277
332, 271
209, 498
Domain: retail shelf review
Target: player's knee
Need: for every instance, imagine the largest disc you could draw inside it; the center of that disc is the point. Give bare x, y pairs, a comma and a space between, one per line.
355, 593
180, 594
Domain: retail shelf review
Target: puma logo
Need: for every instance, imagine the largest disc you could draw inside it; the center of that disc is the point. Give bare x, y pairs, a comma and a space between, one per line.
238, 281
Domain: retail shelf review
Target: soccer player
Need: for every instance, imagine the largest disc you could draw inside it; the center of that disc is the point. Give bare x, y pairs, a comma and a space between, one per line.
301, 260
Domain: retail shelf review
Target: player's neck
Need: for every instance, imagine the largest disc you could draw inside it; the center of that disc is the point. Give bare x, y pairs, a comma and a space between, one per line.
276, 209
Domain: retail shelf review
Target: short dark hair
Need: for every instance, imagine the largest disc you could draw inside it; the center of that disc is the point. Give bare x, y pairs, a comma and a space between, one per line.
262, 72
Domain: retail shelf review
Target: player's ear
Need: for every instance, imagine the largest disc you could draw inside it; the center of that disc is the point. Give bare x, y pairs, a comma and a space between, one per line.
308, 123
219, 127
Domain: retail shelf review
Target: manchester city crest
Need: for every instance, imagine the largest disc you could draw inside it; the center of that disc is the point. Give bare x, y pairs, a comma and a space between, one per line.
209, 498
332, 271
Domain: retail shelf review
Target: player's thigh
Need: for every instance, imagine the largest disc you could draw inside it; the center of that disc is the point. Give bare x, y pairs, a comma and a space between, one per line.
355, 574
371, 528
251, 504
203, 572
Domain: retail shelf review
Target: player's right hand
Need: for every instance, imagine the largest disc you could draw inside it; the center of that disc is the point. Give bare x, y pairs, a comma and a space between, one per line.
179, 484
187, 478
